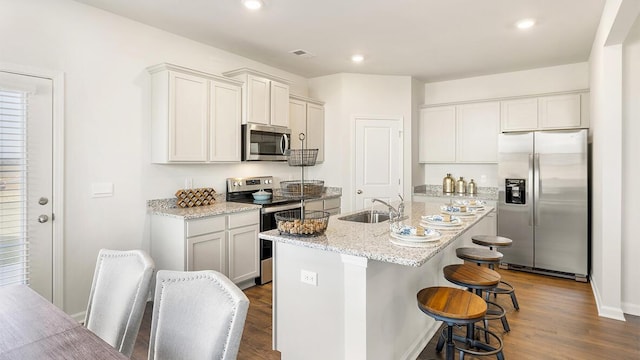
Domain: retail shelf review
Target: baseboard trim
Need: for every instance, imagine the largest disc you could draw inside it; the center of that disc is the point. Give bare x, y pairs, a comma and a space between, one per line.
631, 309
605, 311
421, 341
79, 317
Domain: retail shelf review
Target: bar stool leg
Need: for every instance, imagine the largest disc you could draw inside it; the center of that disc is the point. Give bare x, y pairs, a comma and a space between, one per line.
514, 301
450, 346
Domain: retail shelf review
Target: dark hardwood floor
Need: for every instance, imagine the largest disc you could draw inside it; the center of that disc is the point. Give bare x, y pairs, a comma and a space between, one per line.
557, 320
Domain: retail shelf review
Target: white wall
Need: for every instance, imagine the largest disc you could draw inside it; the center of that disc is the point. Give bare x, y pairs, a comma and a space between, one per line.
103, 58
607, 102
631, 172
348, 95
519, 83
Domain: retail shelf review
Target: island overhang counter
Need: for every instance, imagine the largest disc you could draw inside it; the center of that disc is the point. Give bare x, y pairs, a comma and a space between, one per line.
351, 293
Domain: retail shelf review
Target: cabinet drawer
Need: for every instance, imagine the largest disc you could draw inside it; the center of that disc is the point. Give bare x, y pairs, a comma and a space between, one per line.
313, 205
332, 203
205, 226
243, 219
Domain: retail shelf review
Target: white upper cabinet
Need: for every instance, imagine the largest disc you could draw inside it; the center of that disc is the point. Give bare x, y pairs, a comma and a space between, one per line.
519, 115
195, 116
477, 129
562, 111
265, 97
258, 98
460, 134
279, 104
307, 116
437, 134
224, 128
566, 111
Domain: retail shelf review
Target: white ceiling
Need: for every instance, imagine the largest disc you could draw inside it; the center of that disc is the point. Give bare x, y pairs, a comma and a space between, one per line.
431, 40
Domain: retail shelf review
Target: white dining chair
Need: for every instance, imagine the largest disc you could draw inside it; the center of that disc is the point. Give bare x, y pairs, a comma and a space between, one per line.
118, 297
196, 315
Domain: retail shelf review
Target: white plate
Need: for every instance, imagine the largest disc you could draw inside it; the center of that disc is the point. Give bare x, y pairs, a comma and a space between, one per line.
441, 227
415, 238
413, 244
479, 204
429, 219
458, 213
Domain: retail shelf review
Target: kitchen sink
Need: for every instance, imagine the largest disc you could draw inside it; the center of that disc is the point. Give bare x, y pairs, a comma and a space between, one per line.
367, 216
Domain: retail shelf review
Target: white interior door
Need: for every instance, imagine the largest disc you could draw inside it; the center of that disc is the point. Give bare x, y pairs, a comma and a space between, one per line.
378, 160
26, 182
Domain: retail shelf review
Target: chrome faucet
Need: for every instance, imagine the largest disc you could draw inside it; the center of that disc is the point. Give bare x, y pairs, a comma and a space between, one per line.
394, 214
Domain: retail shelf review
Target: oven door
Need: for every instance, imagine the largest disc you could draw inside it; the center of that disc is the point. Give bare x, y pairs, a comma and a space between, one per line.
261, 142
268, 222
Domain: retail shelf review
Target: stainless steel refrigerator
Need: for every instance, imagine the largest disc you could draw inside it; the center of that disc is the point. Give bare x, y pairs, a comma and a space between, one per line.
543, 201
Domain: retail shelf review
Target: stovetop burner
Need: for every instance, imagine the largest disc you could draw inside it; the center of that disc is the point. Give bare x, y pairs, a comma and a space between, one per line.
241, 189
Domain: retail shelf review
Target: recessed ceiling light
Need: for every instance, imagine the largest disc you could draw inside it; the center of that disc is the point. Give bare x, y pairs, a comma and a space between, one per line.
357, 58
525, 24
252, 4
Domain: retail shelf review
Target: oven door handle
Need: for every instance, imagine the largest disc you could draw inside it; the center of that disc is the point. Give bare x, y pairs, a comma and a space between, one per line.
272, 209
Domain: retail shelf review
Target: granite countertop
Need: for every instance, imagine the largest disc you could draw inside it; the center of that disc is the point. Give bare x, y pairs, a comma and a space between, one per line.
372, 241
168, 207
484, 193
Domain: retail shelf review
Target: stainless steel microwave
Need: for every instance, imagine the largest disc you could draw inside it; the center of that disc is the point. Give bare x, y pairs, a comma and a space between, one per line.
263, 142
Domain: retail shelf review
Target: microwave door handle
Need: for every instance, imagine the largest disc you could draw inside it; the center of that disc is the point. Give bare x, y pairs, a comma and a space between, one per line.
284, 144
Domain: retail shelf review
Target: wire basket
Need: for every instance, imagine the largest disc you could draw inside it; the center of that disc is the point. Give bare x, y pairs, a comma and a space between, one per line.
302, 157
290, 222
296, 188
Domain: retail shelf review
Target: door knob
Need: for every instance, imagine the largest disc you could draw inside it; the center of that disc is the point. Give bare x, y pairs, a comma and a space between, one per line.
359, 192
43, 219
43, 201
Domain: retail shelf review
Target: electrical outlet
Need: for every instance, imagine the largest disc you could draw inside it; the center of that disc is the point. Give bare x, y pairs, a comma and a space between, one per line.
188, 183
309, 277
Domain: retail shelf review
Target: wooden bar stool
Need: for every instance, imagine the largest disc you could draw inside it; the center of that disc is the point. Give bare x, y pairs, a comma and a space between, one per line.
457, 307
479, 279
479, 256
494, 242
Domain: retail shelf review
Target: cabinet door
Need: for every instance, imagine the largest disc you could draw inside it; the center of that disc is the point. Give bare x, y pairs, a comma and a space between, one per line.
188, 117
207, 252
225, 121
244, 253
559, 112
437, 134
519, 115
258, 100
315, 129
297, 121
478, 126
279, 104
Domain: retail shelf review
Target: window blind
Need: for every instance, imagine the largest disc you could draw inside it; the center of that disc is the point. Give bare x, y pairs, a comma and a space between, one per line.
14, 244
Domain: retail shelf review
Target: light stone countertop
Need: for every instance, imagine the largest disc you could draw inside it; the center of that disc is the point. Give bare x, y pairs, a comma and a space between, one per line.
484, 193
372, 241
168, 207
219, 208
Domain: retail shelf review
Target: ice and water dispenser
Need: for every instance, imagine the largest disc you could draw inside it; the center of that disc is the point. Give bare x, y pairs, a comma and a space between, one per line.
515, 191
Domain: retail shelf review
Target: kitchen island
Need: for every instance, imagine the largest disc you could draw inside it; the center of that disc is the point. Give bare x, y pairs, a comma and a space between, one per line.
351, 293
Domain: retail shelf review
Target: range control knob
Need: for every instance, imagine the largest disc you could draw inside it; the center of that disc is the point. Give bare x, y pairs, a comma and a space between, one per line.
237, 183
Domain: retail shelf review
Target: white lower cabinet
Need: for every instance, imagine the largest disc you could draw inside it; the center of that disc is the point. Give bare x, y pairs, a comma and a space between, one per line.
243, 246
225, 243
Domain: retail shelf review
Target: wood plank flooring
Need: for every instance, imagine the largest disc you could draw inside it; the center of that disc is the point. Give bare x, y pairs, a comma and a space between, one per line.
557, 320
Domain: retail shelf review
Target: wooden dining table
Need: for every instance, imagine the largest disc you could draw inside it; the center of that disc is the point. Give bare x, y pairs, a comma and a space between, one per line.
33, 328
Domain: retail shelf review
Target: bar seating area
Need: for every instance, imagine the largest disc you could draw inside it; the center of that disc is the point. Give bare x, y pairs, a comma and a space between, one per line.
456, 307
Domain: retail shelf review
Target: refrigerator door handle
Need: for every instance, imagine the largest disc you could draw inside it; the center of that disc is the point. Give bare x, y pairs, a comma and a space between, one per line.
536, 190
529, 189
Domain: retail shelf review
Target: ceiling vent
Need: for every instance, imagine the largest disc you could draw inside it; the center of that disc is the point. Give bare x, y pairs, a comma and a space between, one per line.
302, 53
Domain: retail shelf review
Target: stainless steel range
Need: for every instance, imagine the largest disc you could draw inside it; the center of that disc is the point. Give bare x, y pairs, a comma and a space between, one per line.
241, 190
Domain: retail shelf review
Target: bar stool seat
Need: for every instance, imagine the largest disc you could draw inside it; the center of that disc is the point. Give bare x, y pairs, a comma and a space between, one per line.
491, 241
457, 307
494, 242
479, 255
479, 279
